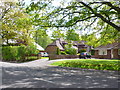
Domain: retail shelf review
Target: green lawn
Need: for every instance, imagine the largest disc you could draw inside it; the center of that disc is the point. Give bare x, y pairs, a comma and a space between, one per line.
44, 57
90, 64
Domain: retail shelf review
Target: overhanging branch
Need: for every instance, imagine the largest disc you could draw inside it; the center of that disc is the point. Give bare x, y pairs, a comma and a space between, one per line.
100, 16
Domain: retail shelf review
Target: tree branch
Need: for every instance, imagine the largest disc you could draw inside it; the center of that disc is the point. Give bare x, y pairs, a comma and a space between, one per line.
100, 16
83, 19
90, 23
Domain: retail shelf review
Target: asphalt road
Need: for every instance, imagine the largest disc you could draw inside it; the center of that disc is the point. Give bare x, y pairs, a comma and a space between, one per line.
39, 74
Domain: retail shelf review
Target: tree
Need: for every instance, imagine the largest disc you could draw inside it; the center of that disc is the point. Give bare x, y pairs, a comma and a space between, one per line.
57, 34
72, 35
81, 11
16, 25
41, 37
98, 18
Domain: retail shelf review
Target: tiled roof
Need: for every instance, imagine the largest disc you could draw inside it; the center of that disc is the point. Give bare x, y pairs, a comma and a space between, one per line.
57, 43
109, 46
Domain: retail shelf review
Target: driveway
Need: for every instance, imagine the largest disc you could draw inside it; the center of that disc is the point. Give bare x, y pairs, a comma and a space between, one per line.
39, 74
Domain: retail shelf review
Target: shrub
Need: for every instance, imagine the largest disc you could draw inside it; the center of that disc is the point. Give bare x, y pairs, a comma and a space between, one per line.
63, 53
71, 51
82, 50
12, 53
58, 51
92, 52
9, 53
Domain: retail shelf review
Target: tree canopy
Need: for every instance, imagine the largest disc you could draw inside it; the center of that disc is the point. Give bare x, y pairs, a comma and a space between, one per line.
95, 18
16, 25
97, 21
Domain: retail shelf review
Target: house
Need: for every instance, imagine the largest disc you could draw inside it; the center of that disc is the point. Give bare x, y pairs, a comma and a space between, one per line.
52, 48
60, 43
82, 46
109, 51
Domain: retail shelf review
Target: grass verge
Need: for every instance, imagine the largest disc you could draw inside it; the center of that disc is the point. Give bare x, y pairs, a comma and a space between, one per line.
90, 64
44, 57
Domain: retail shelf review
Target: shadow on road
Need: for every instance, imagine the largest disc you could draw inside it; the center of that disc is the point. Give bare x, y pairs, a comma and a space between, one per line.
57, 77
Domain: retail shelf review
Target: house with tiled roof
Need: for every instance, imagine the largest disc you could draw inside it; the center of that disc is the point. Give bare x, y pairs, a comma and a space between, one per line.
60, 43
109, 51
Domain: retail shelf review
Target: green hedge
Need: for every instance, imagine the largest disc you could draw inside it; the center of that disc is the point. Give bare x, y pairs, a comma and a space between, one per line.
12, 53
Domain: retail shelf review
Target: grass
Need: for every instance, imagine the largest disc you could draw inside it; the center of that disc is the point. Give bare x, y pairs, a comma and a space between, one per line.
90, 64
44, 57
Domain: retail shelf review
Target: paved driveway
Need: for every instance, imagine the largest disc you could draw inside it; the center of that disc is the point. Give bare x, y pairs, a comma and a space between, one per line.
39, 74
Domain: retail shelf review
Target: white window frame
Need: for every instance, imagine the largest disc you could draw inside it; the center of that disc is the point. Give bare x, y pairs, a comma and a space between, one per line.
118, 51
103, 52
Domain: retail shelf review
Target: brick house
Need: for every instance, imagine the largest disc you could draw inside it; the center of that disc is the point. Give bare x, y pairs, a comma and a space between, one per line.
60, 43
109, 51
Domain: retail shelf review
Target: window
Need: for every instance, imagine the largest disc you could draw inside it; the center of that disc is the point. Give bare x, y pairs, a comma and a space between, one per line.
103, 52
118, 51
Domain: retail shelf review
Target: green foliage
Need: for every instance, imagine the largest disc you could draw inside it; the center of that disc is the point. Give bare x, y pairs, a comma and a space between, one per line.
57, 34
92, 52
90, 64
58, 51
91, 17
70, 51
41, 37
82, 50
16, 24
72, 35
9, 53
12, 53
63, 53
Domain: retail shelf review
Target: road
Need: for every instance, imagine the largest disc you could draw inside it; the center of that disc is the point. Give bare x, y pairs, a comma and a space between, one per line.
39, 74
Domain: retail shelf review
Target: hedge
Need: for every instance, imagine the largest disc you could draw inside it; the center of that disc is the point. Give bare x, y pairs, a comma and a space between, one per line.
12, 53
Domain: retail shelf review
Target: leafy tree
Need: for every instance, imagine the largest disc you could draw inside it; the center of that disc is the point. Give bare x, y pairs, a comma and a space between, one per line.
41, 37
94, 18
57, 34
70, 50
72, 35
99, 18
16, 25
90, 12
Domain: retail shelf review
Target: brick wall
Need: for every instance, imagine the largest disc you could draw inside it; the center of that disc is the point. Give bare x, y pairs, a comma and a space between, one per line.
115, 54
51, 49
108, 56
52, 57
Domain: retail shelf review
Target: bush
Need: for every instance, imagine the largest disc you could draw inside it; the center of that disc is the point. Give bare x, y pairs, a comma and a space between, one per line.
71, 51
63, 53
82, 50
92, 52
12, 53
58, 51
